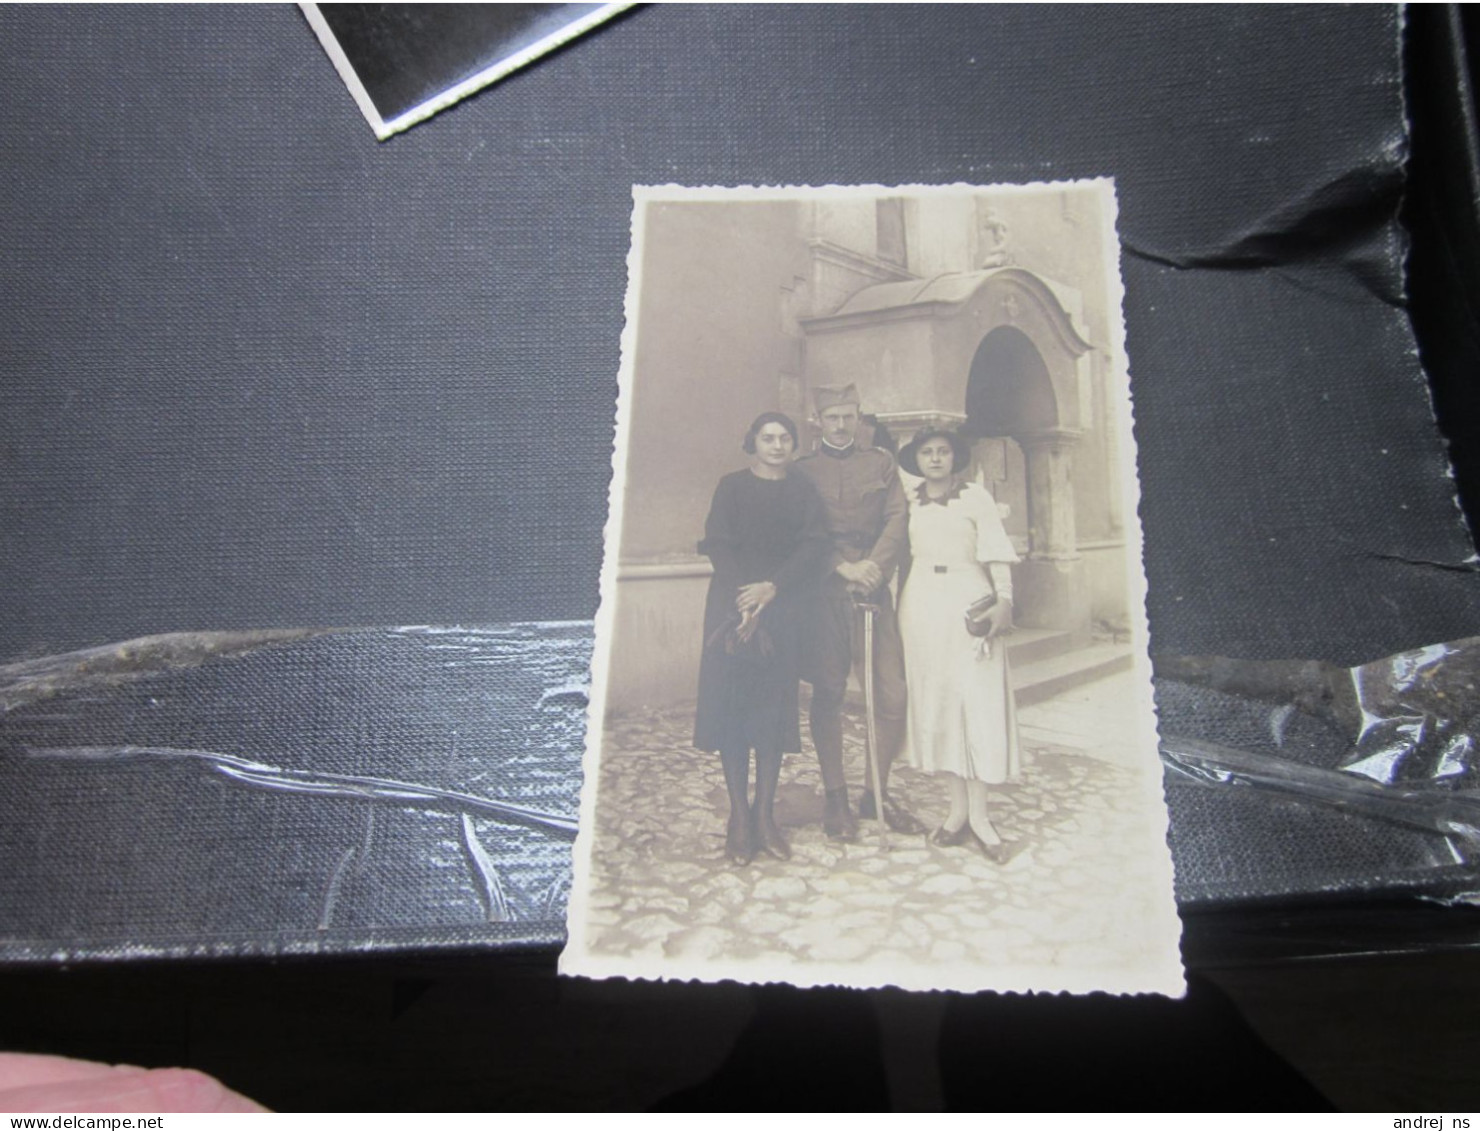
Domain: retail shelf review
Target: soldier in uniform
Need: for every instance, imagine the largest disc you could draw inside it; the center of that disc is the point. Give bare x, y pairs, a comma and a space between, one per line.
867, 524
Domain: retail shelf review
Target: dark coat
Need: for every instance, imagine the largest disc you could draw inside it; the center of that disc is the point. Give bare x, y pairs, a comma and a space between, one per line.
758, 530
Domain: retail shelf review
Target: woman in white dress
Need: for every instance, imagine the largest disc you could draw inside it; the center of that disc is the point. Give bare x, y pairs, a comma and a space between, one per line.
961, 720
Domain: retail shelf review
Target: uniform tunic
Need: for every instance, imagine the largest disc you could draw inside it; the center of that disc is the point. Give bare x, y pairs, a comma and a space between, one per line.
866, 518
866, 511
961, 714
758, 530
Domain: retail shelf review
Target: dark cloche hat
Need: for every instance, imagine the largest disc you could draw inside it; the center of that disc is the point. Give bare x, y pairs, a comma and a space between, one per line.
960, 450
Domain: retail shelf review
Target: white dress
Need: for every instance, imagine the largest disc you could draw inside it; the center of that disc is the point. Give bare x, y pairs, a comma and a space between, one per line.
961, 716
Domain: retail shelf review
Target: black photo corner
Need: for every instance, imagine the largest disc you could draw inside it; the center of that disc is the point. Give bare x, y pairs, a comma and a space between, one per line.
259, 371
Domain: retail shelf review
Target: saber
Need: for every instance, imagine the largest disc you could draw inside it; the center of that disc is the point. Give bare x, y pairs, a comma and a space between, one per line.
870, 727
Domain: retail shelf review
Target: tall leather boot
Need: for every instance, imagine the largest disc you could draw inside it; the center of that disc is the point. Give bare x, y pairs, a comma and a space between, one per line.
891, 740
837, 817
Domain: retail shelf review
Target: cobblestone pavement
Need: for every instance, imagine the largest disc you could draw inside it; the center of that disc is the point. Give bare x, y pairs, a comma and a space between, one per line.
1078, 891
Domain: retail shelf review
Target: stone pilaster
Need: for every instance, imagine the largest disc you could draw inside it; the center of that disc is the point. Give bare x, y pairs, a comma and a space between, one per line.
1050, 585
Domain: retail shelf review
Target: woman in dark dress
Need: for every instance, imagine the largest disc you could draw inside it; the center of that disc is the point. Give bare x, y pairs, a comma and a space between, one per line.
767, 537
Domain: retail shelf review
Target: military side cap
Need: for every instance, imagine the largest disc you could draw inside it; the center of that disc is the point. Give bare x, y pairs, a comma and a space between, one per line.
825, 398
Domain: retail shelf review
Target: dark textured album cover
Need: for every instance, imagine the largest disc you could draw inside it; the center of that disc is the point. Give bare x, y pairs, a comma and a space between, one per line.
261, 375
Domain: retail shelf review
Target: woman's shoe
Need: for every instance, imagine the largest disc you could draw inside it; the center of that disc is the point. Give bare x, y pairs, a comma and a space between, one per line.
768, 839
950, 838
739, 845
999, 853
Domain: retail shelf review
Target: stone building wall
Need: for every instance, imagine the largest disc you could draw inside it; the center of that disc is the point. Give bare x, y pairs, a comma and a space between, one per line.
726, 294
712, 351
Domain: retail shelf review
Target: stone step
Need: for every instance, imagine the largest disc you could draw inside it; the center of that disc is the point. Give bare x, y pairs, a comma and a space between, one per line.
1043, 679
1029, 645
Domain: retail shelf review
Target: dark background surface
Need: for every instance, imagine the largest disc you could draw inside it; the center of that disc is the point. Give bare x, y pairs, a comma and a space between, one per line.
263, 371
259, 370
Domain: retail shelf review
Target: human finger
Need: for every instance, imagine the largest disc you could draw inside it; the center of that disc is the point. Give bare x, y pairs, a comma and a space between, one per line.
130, 1089
19, 1069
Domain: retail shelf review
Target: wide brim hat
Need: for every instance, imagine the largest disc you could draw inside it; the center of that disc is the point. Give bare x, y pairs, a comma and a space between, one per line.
960, 450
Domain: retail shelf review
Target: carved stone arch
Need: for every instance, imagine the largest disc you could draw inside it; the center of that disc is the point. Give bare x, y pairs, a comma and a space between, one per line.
999, 352
1012, 305
932, 329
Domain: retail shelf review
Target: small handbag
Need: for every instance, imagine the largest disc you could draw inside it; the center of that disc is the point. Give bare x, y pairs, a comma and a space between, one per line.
978, 615
747, 643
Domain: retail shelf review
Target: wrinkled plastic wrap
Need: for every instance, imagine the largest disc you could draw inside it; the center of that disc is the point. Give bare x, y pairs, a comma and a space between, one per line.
296, 792
1302, 778
416, 788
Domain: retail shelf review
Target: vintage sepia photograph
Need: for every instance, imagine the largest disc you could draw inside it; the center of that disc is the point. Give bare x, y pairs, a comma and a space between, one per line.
871, 701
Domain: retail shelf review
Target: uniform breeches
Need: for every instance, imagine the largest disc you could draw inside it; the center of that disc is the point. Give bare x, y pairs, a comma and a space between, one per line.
833, 648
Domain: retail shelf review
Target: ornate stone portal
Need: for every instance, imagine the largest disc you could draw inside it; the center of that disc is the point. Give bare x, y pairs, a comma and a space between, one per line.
996, 353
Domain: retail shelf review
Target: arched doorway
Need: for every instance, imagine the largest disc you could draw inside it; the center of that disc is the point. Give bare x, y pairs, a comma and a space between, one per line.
1008, 389
1026, 455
